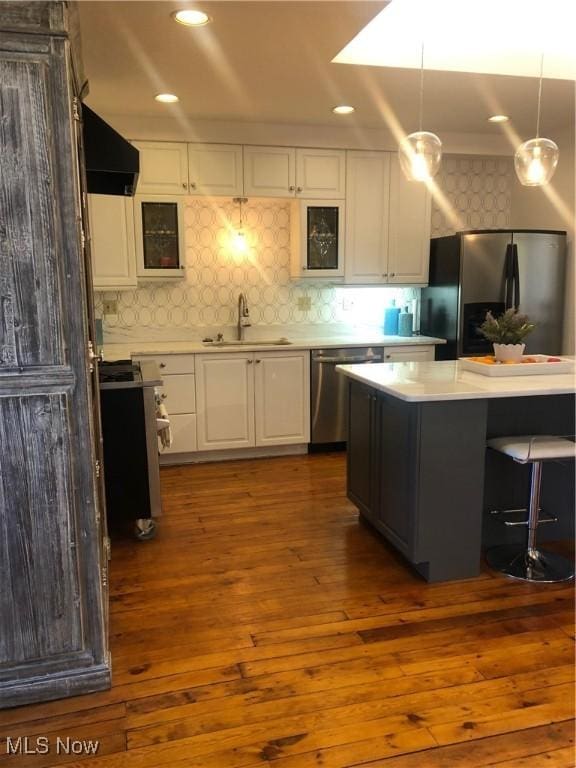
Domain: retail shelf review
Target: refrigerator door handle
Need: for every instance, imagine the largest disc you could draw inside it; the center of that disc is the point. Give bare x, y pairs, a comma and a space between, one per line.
516, 276
508, 277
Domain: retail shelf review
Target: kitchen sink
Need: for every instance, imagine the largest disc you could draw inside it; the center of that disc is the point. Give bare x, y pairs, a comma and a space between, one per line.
257, 343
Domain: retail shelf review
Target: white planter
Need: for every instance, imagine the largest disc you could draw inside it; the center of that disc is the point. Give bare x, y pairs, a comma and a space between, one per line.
509, 352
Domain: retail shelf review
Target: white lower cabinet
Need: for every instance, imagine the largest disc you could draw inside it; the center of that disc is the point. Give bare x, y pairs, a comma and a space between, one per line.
252, 399
225, 401
409, 353
183, 430
179, 396
282, 397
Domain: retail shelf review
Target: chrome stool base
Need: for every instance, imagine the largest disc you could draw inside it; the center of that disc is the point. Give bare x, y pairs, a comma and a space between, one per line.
542, 567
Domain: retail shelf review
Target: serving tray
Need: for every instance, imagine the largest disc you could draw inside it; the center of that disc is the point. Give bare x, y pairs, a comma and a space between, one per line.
534, 365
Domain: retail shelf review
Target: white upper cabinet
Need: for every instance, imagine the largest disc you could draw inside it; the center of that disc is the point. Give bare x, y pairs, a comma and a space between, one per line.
159, 234
197, 169
367, 216
269, 171
215, 169
321, 173
317, 239
409, 230
387, 222
112, 242
163, 168
289, 172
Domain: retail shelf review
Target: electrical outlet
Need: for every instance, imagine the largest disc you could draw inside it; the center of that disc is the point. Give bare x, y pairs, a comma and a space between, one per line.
347, 304
110, 307
304, 303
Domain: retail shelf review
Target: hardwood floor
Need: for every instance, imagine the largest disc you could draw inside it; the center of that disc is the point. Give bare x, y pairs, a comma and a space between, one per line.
267, 626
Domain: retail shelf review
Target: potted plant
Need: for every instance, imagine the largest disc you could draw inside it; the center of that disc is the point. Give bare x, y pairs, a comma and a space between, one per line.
507, 332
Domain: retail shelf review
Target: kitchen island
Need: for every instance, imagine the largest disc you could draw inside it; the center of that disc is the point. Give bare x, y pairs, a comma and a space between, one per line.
418, 468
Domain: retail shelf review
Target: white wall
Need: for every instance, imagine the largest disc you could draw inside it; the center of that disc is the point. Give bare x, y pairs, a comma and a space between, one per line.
145, 128
553, 207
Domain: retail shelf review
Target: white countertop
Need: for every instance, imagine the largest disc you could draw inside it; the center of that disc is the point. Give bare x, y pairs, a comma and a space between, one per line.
446, 380
134, 348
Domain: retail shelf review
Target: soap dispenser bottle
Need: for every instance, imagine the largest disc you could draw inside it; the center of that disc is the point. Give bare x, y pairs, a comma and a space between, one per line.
405, 323
391, 319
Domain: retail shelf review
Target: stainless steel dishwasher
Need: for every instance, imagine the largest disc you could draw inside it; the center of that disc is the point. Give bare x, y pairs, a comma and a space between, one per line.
329, 390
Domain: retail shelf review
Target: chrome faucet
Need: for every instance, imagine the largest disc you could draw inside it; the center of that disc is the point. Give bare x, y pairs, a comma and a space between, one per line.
243, 316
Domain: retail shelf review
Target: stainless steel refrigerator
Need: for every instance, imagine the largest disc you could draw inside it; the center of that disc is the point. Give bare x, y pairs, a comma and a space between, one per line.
480, 270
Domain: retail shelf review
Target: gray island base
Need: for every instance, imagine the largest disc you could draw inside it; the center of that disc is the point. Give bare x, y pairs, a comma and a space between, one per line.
418, 469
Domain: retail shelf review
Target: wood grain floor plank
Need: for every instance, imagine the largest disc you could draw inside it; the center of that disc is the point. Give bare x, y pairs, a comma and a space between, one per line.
266, 626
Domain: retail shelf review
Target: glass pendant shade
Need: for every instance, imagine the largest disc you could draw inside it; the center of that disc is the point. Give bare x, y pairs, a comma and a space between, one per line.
535, 162
239, 242
420, 154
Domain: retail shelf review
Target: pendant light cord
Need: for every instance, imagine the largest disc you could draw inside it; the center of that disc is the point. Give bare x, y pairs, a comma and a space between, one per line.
421, 87
539, 96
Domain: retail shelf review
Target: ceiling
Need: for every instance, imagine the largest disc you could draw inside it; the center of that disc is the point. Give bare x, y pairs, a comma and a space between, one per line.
270, 62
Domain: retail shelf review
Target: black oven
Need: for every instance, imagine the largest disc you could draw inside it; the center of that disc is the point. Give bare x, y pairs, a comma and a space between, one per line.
129, 403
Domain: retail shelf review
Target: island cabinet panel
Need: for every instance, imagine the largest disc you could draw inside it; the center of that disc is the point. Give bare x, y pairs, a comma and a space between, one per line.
403, 460
52, 542
362, 449
396, 464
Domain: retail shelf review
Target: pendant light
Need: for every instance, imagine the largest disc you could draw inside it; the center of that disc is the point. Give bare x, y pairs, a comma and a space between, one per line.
536, 159
420, 153
239, 240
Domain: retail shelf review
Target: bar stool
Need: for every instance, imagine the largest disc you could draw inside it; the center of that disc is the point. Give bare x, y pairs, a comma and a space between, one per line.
531, 564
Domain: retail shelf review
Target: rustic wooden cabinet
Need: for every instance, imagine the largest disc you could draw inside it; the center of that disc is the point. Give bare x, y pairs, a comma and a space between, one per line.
53, 568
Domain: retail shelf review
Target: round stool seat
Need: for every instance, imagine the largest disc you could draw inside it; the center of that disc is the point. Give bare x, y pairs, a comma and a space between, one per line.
531, 563
534, 447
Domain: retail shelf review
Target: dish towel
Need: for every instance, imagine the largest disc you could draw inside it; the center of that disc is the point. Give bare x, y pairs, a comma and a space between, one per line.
163, 426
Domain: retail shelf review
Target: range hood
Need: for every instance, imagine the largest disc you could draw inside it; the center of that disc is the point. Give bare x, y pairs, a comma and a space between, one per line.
112, 163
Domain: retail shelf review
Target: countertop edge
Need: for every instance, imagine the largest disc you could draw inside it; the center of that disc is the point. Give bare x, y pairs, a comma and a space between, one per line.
138, 349
548, 385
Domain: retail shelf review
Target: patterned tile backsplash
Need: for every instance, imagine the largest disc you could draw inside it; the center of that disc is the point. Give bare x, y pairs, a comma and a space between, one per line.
474, 192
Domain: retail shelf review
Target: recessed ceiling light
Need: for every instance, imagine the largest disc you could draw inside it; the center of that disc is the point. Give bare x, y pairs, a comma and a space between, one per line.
344, 109
167, 98
191, 18
499, 119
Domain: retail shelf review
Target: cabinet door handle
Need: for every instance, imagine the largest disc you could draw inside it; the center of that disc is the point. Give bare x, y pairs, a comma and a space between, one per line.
384, 274
192, 185
249, 362
388, 357
392, 274
298, 189
163, 396
257, 361
291, 188
162, 365
184, 185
